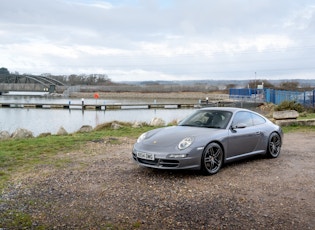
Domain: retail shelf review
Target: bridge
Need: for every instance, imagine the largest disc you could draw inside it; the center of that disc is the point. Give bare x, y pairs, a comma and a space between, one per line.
14, 82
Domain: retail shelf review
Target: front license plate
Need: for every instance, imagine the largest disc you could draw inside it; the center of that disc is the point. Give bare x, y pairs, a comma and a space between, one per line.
147, 156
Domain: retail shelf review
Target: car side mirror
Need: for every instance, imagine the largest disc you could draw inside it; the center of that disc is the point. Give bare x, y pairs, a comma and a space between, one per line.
239, 126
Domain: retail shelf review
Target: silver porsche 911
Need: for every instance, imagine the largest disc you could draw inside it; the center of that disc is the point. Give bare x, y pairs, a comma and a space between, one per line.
207, 139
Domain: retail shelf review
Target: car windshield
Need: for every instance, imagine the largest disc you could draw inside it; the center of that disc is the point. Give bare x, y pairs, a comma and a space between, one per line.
208, 118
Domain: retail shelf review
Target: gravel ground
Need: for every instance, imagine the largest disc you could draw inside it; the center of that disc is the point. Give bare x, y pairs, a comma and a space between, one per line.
100, 187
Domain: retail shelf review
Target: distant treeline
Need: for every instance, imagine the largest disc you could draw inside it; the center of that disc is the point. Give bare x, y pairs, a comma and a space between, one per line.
73, 79
100, 80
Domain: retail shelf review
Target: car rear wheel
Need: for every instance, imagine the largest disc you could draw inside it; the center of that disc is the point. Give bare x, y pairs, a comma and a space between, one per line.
274, 145
212, 159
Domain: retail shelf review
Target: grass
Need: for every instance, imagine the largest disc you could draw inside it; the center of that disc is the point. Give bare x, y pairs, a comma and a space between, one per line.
295, 128
307, 116
18, 220
23, 154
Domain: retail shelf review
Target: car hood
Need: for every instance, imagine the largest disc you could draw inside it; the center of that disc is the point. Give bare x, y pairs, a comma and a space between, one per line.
171, 136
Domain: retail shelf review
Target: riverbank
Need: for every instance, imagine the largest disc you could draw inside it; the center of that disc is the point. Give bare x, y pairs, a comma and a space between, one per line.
170, 95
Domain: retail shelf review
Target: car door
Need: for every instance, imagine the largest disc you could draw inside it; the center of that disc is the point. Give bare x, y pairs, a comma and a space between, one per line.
243, 136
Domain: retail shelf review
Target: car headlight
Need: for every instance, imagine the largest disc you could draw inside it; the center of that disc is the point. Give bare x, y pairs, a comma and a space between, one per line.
142, 137
185, 143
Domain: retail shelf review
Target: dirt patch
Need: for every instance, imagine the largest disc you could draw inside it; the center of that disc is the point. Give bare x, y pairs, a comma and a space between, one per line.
102, 188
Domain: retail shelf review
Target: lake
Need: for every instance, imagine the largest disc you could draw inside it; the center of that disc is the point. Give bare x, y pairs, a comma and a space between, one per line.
50, 120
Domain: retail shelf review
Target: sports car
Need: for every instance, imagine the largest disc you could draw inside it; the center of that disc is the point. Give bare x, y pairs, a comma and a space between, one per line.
207, 139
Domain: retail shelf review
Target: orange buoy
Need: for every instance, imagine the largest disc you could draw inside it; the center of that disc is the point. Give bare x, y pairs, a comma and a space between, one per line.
96, 95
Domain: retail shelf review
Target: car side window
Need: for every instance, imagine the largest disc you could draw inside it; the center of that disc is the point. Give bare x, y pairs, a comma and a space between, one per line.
258, 120
243, 117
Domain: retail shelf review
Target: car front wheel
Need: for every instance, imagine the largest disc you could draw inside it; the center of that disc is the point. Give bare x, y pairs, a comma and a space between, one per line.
212, 159
274, 145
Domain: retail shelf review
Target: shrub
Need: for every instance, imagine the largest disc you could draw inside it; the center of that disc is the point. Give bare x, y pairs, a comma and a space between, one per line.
290, 105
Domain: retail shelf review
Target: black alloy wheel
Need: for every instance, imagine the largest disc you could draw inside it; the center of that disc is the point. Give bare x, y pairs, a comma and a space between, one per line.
274, 145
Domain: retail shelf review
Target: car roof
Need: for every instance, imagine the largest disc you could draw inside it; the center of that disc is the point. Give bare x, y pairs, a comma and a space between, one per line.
229, 109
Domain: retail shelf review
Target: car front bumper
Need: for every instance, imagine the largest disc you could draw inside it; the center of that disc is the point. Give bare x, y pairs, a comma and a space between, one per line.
192, 160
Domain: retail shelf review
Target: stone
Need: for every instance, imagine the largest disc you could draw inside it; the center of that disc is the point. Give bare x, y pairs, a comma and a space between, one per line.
287, 114
44, 135
62, 131
115, 126
157, 122
137, 124
85, 129
22, 133
4, 135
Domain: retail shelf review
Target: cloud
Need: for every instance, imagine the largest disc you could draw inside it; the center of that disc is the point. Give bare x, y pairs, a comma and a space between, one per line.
151, 40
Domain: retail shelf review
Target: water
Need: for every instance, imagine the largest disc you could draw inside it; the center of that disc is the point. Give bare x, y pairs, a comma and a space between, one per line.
50, 120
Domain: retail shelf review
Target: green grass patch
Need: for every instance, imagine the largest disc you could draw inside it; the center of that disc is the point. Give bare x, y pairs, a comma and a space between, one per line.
15, 220
304, 116
296, 128
22, 154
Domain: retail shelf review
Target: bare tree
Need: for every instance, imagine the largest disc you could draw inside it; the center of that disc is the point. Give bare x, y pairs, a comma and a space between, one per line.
254, 83
289, 85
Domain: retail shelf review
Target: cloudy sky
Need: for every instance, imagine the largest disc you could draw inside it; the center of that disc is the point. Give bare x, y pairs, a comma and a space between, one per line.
160, 39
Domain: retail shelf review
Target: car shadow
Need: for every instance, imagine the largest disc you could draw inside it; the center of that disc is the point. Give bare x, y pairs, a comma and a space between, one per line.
186, 173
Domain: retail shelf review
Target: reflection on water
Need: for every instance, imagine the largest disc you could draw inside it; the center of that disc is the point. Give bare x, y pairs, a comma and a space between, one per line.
50, 120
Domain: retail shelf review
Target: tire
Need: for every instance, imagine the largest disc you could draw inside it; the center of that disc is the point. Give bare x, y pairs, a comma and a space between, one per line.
274, 145
212, 159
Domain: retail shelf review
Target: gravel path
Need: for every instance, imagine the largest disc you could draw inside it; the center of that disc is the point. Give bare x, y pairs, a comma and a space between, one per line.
102, 188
